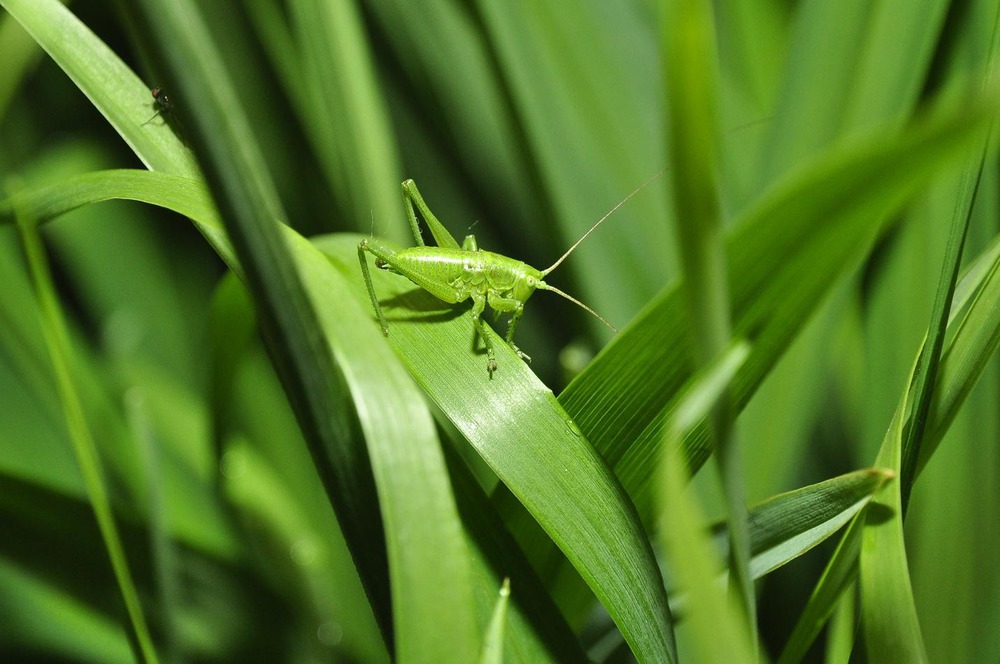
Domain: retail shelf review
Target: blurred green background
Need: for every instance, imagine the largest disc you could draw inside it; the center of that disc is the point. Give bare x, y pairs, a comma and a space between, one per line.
529, 119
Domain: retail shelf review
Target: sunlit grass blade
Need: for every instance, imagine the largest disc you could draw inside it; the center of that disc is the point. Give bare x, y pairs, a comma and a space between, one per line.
930, 355
519, 428
532, 635
973, 336
111, 86
790, 524
534, 630
839, 574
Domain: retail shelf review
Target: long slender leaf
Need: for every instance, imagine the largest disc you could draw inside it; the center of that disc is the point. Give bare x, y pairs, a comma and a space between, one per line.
636, 377
427, 558
929, 359
888, 613
974, 332
60, 350
788, 525
532, 635
519, 428
720, 625
689, 53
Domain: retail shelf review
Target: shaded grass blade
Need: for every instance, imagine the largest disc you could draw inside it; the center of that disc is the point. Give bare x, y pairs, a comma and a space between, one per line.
426, 556
60, 350
973, 336
784, 253
493, 645
689, 53
720, 629
533, 633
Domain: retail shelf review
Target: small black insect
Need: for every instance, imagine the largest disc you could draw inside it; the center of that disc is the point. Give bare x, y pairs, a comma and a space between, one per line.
161, 102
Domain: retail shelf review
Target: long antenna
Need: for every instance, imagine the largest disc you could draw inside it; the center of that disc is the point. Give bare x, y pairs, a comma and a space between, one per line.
579, 304
599, 222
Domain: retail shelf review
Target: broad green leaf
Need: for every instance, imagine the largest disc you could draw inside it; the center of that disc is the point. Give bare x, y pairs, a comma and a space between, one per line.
93, 66
518, 427
532, 632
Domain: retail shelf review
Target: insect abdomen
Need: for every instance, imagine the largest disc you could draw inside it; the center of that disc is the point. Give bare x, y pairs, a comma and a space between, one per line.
453, 275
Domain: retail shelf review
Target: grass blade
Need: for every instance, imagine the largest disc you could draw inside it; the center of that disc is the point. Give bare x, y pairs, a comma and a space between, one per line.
493, 645
290, 280
689, 53
58, 342
788, 250
536, 449
888, 615
718, 622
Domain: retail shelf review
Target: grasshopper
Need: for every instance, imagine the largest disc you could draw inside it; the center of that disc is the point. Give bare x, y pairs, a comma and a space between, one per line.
454, 274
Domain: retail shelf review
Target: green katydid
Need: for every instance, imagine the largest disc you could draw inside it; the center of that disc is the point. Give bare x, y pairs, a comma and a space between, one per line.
454, 274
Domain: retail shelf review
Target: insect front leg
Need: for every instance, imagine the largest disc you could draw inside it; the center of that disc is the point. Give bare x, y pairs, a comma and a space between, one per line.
381, 253
478, 305
499, 303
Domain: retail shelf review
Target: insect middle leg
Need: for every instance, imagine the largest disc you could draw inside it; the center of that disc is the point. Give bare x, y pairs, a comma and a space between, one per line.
478, 306
498, 304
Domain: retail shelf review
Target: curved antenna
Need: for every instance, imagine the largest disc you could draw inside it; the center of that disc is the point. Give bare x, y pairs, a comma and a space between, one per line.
601, 221
578, 303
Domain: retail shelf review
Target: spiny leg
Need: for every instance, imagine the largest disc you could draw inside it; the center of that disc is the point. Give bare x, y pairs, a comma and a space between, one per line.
411, 197
499, 304
410, 194
478, 305
363, 246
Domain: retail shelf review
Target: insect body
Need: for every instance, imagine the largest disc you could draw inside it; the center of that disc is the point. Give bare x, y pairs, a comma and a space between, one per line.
161, 102
454, 274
